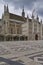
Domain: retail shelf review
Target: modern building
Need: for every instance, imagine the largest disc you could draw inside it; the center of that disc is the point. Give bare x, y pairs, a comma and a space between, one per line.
14, 27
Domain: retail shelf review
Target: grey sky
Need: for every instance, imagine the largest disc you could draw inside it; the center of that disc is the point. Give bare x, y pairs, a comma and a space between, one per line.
16, 6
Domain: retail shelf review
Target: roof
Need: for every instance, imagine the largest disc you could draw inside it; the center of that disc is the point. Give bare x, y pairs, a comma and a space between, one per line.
16, 17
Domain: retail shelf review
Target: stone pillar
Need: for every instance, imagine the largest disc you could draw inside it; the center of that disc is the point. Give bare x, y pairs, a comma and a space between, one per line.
15, 28
32, 29
12, 38
37, 27
33, 26
4, 38
28, 26
19, 38
6, 26
37, 20
41, 29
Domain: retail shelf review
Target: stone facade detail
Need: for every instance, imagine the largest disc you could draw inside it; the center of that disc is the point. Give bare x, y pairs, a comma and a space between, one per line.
15, 27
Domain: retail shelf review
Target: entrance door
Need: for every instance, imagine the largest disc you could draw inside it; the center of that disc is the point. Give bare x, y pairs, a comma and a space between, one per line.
36, 37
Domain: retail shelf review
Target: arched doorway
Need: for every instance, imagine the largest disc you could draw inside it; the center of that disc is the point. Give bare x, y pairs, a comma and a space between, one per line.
16, 38
36, 37
22, 38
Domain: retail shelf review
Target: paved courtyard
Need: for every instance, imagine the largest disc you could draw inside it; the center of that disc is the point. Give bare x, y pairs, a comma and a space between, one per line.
21, 53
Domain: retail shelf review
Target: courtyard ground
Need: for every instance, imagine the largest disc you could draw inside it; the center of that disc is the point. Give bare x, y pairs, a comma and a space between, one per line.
21, 52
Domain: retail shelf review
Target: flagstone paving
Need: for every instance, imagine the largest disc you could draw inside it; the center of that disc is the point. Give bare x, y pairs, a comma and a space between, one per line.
21, 52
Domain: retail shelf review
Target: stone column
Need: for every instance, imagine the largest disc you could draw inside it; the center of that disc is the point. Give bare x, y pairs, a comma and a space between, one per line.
19, 37
32, 29
12, 38
28, 26
4, 38
32, 26
41, 29
37, 27
6, 25
37, 20
15, 28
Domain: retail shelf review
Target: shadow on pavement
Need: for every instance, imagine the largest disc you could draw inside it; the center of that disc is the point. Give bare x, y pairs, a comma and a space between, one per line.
10, 62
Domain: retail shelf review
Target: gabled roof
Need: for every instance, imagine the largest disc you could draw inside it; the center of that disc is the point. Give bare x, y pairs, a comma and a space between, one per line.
16, 17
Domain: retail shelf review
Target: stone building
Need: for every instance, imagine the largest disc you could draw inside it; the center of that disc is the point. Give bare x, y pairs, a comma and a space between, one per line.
14, 27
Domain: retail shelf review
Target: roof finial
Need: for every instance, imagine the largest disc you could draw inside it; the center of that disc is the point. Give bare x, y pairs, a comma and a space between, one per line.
23, 8
33, 13
37, 18
23, 13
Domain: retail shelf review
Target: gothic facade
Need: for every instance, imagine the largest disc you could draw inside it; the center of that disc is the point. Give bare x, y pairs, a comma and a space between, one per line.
14, 27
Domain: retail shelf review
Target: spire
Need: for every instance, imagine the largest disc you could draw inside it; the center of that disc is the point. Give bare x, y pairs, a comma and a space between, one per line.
33, 13
7, 8
23, 8
32, 16
37, 18
23, 13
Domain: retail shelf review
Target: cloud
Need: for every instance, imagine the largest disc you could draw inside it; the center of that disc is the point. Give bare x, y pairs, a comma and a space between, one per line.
38, 5
1, 7
16, 6
28, 4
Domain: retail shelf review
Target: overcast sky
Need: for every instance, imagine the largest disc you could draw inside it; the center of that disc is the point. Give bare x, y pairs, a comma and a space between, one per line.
16, 6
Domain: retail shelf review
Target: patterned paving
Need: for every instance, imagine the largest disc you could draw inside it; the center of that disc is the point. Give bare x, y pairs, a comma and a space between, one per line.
21, 52
4, 51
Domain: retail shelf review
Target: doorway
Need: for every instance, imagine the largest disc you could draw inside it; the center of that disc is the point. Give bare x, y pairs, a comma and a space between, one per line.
36, 37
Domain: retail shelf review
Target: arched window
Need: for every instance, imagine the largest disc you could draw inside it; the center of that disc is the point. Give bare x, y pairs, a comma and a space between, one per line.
4, 22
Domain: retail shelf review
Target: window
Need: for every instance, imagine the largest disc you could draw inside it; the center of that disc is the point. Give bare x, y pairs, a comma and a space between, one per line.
11, 31
18, 31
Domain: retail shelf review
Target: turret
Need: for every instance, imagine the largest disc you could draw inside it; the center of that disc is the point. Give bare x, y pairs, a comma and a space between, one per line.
6, 10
